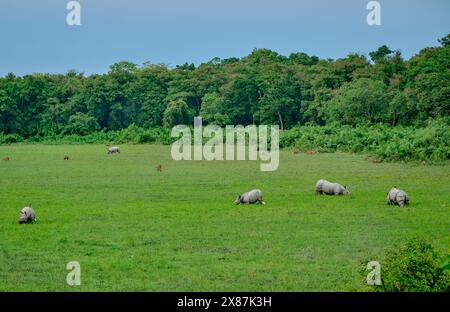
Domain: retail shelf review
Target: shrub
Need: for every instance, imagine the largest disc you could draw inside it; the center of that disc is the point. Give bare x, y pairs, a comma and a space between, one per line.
445, 266
430, 144
81, 124
10, 138
415, 266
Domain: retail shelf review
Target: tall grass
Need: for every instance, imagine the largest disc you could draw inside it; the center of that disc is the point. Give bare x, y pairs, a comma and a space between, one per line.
431, 143
401, 143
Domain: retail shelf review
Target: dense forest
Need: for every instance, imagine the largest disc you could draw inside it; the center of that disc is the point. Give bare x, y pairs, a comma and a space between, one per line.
381, 90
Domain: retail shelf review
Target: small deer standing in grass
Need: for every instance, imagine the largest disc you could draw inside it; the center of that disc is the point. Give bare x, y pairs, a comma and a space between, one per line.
66, 157
6, 158
158, 168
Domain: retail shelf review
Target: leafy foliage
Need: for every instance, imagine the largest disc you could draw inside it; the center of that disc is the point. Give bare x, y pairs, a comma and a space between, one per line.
431, 143
391, 108
415, 266
360, 101
262, 88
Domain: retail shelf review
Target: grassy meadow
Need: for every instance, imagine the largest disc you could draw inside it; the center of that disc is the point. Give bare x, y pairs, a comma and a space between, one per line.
135, 229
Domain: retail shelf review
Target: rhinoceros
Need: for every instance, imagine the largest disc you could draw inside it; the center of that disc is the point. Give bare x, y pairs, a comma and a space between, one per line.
113, 149
329, 188
397, 197
252, 197
27, 215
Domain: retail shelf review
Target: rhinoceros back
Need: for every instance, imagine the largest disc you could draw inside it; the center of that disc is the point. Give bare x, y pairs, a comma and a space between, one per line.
252, 196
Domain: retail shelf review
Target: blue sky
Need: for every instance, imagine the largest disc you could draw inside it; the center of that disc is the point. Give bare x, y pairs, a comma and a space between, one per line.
34, 36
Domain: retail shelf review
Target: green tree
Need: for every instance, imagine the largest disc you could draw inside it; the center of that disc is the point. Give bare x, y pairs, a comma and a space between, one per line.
398, 110
54, 117
146, 96
8, 114
303, 59
280, 100
81, 124
176, 113
381, 54
445, 41
359, 102
431, 95
212, 110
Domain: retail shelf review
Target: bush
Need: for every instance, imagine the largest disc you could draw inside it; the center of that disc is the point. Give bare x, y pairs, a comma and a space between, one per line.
10, 138
415, 266
445, 266
81, 124
131, 135
430, 144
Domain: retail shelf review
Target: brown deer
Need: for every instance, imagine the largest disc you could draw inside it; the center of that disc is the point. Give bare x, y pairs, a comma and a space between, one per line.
6, 158
66, 157
158, 168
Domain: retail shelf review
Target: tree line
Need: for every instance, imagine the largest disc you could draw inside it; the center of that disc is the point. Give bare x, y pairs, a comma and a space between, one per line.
264, 87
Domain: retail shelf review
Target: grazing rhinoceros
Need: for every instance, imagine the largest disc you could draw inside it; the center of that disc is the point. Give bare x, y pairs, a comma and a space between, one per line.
329, 188
27, 215
113, 149
397, 197
252, 197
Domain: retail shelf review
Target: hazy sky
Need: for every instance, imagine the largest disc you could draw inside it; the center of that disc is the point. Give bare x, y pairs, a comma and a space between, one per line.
34, 36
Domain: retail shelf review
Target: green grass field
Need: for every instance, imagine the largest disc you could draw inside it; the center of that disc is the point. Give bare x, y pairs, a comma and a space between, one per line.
135, 229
